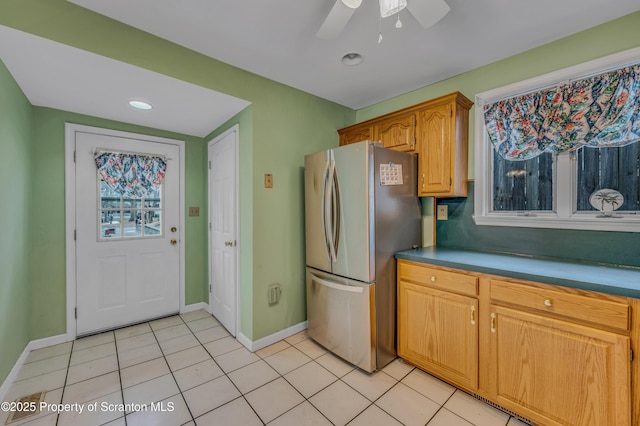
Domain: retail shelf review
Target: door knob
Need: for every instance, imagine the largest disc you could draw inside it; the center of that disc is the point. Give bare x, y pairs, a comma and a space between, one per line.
174, 242
228, 243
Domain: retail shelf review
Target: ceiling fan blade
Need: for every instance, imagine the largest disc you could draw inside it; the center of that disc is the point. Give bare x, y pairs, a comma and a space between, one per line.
428, 12
335, 22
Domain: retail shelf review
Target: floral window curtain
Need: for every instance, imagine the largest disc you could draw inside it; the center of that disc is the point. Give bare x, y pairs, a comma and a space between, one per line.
131, 175
599, 111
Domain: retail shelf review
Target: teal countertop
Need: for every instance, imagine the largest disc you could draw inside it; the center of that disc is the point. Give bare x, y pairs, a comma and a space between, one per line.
622, 281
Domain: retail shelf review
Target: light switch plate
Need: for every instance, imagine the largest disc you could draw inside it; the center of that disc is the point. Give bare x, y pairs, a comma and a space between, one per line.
194, 211
268, 181
442, 212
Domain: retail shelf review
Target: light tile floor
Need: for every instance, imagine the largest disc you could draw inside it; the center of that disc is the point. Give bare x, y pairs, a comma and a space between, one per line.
200, 375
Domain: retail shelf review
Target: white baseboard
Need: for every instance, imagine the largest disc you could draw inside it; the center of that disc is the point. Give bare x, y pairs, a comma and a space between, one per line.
31, 346
47, 341
255, 345
195, 307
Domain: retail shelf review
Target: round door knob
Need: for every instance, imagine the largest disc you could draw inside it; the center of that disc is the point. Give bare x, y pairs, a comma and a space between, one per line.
548, 303
174, 242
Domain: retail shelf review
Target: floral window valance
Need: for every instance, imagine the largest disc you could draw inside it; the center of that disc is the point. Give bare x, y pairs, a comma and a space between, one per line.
599, 111
131, 175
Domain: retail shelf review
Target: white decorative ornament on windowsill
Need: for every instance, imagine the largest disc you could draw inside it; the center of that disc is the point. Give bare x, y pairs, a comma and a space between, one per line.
607, 201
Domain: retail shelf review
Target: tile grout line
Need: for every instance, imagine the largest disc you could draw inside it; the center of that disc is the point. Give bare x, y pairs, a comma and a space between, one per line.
223, 372
171, 370
64, 385
115, 342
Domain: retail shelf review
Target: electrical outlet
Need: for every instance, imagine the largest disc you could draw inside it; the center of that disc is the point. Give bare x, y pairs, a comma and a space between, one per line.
442, 212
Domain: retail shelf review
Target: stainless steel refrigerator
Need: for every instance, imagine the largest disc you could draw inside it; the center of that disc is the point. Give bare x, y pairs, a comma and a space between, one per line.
361, 207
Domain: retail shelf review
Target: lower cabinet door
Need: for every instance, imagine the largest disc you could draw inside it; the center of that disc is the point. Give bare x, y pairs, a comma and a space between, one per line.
559, 373
437, 331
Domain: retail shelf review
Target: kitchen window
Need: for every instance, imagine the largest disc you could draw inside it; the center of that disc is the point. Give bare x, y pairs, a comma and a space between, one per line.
562, 150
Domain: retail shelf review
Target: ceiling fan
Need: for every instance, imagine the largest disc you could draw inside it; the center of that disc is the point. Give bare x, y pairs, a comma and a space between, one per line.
426, 12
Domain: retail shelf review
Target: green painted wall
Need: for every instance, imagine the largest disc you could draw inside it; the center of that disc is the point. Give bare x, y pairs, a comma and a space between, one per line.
283, 124
48, 313
15, 196
460, 231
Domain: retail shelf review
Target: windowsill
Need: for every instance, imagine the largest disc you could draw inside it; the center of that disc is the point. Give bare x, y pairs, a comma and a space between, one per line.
575, 222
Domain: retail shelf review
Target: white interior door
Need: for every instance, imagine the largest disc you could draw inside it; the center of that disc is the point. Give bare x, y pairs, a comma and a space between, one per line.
127, 250
223, 229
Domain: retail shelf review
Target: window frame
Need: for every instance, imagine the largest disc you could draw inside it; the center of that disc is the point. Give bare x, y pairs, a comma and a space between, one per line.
564, 215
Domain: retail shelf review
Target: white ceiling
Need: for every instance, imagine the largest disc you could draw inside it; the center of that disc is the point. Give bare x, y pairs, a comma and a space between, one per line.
58, 76
276, 39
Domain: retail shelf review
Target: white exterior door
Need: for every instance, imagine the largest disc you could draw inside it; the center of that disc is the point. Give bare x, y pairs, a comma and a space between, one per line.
223, 229
127, 250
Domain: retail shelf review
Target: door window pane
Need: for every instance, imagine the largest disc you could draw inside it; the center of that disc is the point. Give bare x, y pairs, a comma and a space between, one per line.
122, 218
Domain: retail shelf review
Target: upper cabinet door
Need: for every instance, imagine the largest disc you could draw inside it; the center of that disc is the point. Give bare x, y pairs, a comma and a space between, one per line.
443, 135
398, 133
357, 133
435, 150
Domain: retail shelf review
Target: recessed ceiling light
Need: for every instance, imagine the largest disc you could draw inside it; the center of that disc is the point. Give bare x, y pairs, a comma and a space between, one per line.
352, 59
140, 105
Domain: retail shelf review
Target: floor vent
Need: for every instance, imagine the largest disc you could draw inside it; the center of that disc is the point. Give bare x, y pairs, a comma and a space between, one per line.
511, 413
26, 406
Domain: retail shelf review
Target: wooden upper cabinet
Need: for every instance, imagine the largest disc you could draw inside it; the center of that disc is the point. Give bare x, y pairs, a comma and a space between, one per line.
357, 133
437, 130
398, 133
443, 134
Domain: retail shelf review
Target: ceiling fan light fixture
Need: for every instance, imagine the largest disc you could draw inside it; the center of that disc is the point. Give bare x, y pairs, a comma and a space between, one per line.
391, 7
353, 4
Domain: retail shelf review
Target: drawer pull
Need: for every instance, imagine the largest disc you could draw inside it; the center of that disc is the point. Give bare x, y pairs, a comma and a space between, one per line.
548, 303
433, 278
493, 322
473, 315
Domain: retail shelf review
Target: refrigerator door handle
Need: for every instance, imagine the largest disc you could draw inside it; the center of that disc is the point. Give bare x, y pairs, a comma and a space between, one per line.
326, 223
329, 211
337, 212
337, 286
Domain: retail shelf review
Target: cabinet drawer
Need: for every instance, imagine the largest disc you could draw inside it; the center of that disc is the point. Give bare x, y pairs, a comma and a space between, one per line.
607, 313
438, 278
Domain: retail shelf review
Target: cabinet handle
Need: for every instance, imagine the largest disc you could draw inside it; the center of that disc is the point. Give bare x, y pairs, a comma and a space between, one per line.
473, 315
493, 322
548, 303
423, 181
433, 278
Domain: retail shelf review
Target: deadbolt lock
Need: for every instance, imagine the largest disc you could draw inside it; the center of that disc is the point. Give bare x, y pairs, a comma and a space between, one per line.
174, 229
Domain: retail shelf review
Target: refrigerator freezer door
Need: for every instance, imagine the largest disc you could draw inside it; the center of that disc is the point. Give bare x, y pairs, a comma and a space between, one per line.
316, 169
352, 183
340, 317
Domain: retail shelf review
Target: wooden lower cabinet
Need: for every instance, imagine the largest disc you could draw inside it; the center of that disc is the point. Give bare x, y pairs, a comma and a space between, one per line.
559, 373
438, 332
554, 355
